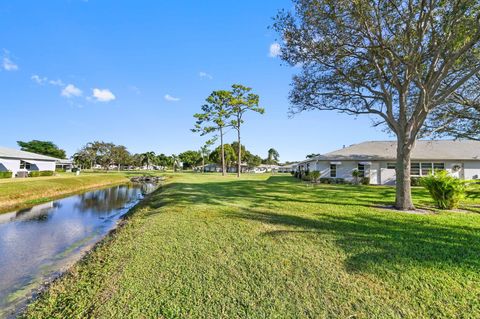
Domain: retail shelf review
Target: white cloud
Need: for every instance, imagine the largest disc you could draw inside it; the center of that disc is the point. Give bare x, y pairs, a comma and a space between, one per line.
8, 64
205, 75
57, 82
275, 50
170, 98
38, 79
43, 79
71, 91
103, 95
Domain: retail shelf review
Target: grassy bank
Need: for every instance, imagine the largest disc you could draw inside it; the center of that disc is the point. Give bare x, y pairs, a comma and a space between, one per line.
271, 247
17, 193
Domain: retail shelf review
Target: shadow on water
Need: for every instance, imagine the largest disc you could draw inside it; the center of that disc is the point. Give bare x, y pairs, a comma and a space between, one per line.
37, 242
369, 237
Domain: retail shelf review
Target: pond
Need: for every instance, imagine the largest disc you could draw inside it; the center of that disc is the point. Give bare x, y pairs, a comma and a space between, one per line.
38, 243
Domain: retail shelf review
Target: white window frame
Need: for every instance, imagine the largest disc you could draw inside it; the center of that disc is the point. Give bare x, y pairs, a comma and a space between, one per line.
334, 170
421, 168
361, 171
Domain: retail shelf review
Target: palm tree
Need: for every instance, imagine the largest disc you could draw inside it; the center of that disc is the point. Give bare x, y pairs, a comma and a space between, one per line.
147, 158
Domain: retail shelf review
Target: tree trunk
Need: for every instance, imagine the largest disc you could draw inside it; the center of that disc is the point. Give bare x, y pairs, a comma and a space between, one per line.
403, 200
223, 152
239, 160
203, 165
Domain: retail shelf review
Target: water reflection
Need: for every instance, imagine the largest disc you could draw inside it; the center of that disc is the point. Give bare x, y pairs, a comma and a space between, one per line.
36, 242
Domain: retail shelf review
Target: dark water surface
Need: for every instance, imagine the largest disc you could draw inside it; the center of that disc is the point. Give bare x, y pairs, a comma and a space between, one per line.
39, 242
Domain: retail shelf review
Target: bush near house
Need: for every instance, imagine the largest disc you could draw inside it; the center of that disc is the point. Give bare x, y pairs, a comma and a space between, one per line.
40, 173
6, 174
446, 191
307, 177
331, 180
365, 181
315, 176
415, 181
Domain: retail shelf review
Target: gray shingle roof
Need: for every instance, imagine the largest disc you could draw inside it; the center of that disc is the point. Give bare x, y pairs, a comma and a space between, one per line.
13, 153
386, 150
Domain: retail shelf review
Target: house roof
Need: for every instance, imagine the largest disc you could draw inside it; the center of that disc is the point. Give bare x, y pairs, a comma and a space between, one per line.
423, 150
13, 153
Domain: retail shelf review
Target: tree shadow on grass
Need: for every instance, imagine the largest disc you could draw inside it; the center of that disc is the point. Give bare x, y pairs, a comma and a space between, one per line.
369, 238
376, 241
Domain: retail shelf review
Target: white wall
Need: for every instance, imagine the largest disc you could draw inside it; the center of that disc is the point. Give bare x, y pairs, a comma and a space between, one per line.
344, 170
380, 174
7, 164
471, 169
37, 165
387, 175
13, 165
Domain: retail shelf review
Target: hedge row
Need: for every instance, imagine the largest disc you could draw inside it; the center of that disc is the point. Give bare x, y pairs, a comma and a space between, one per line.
5, 174
40, 173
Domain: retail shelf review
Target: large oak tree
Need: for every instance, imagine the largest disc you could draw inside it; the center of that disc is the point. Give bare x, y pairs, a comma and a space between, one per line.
399, 60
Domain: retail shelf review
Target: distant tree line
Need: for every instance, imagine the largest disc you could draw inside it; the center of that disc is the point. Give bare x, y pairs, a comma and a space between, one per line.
106, 155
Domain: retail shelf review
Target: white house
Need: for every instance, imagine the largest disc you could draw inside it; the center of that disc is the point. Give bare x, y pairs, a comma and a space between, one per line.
376, 160
17, 161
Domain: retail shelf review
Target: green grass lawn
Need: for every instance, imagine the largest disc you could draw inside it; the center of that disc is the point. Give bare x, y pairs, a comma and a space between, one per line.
272, 247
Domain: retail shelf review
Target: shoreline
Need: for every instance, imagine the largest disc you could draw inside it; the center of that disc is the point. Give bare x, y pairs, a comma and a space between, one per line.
84, 183
66, 267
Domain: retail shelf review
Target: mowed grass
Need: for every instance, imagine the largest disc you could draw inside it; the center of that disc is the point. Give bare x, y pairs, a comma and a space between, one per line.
272, 247
16, 193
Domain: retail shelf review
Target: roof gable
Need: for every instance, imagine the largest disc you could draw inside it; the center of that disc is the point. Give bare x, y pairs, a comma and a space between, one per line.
423, 150
13, 153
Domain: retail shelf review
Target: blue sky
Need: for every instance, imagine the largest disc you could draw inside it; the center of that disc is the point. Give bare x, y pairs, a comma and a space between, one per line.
134, 73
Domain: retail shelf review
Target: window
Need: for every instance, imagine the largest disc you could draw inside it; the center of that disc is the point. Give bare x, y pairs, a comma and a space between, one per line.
423, 169
24, 165
391, 165
361, 170
427, 168
415, 169
333, 170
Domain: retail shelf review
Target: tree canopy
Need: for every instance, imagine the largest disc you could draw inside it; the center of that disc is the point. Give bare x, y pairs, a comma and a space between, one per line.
42, 147
400, 61
190, 158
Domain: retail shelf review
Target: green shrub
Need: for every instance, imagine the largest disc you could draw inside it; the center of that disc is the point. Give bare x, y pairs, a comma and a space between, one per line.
356, 176
315, 175
40, 173
6, 174
415, 181
365, 181
325, 180
339, 181
60, 170
307, 178
446, 190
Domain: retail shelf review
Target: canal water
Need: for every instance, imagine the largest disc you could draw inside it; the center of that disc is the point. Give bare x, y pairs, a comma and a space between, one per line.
38, 243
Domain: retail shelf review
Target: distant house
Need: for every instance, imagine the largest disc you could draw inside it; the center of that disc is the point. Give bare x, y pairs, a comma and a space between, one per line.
17, 161
64, 165
212, 167
376, 160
